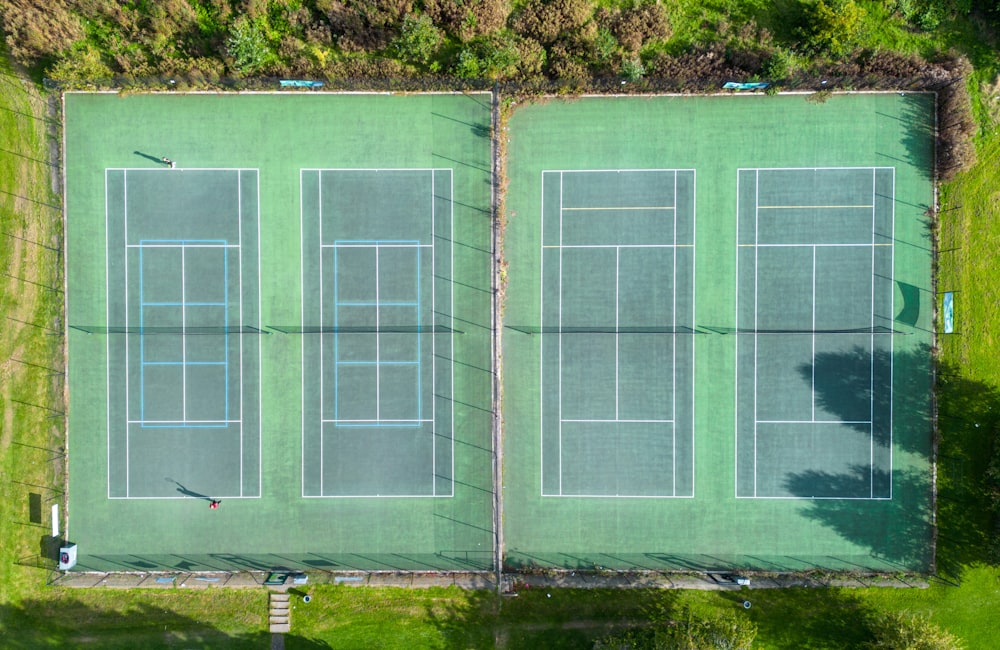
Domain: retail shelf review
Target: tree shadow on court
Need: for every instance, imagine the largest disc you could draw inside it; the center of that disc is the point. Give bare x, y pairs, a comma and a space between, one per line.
968, 419
843, 387
917, 119
896, 531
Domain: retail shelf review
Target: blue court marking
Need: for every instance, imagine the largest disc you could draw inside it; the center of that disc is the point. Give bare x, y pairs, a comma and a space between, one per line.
181, 244
337, 303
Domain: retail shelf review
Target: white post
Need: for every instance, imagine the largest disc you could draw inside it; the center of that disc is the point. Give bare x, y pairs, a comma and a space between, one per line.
55, 520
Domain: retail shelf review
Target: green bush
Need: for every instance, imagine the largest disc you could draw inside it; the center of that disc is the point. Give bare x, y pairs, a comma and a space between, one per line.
248, 46
833, 27
500, 56
418, 40
901, 631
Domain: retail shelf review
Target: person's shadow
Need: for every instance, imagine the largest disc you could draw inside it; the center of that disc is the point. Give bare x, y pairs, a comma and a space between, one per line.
190, 493
157, 159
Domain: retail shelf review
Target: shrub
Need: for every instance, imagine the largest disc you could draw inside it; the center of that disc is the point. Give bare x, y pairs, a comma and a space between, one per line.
470, 18
500, 56
418, 39
636, 25
38, 29
82, 67
545, 20
632, 69
362, 25
248, 46
901, 631
779, 65
833, 27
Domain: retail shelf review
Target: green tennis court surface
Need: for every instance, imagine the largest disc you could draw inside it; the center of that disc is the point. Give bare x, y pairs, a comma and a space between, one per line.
295, 322
718, 331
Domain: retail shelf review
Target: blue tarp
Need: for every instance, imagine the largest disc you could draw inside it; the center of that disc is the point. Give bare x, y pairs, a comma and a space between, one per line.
949, 312
300, 83
754, 85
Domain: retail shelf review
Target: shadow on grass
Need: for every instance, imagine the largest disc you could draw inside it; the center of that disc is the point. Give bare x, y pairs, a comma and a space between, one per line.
803, 618
575, 618
68, 622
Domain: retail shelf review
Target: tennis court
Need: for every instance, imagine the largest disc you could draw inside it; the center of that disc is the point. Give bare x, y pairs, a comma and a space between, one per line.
378, 422
744, 347
297, 328
814, 278
617, 257
183, 277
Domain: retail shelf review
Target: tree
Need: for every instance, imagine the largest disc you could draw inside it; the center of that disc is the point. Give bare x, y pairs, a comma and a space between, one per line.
902, 631
833, 27
418, 39
248, 45
685, 631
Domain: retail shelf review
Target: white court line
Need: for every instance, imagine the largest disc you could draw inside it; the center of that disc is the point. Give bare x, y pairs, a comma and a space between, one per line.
736, 378
433, 356
892, 343
814, 422
373, 496
128, 403
615, 171
694, 320
302, 342
776, 498
184, 421
814, 207
618, 254
622, 246
260, 352
239, 255
356, 421
186, 244
374, 169
374, 244
799, 169
560, 326
622, 207
322, 353
107, 319
378, 349
541, 345
183, 339
756, 277
812, 362
871, 380
616, 421
673, 365
451, 294
857, 245
617, 496
166, 170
